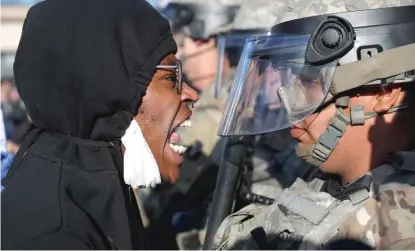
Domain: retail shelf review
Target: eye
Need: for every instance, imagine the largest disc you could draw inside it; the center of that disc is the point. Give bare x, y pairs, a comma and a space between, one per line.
172, 79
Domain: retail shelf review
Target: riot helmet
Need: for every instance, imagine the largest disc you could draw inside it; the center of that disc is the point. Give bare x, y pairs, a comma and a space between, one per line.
312, 62
200, 19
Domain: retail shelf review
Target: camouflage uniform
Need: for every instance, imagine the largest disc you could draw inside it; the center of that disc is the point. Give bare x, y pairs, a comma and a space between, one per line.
383, 220
387, 221
222, 2
258, 14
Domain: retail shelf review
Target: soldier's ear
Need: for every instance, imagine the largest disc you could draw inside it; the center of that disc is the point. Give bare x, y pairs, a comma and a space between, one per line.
386, 99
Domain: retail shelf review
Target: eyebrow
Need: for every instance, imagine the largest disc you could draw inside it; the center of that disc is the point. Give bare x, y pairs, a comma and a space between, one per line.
169, 61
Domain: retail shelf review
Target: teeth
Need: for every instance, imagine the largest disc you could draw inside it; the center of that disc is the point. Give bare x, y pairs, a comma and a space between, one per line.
186, 123
178, 149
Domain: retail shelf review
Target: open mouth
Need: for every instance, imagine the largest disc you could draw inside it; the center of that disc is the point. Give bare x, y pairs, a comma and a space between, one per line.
174, 137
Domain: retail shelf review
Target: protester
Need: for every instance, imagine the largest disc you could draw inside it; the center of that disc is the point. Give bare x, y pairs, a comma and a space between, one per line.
178, 208
98, 78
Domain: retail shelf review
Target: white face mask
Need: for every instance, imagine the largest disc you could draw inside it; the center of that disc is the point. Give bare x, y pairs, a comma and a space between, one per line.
2, 134
140, 166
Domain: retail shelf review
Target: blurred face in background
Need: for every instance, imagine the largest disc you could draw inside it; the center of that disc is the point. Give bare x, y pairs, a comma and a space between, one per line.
178, 37
199, 61
7, 89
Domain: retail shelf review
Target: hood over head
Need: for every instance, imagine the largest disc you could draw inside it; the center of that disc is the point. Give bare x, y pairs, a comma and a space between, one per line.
83, 66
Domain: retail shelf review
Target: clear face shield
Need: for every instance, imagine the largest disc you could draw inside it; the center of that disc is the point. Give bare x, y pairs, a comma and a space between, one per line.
274, 86
229, 47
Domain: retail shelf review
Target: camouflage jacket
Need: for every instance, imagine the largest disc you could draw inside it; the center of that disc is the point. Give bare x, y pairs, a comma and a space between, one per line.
304, 217
387, 221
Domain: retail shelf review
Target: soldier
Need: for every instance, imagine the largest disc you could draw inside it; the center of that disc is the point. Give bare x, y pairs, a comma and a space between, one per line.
342, 82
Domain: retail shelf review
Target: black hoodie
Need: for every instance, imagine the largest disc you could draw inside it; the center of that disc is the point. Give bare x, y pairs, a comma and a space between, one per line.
81, 68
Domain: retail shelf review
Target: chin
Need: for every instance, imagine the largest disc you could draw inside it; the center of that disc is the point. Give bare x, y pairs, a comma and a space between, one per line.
170, 169
326, 167
172, 174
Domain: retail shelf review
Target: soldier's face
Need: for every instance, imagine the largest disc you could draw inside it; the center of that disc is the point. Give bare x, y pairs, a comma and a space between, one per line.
178, 37
163, 110
199, 61
362, 147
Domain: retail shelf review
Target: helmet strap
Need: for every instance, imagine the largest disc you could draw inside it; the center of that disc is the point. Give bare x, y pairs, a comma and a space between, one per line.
318, 153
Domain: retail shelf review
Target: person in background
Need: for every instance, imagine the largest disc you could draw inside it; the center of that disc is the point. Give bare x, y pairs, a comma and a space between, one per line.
200, 22
6, 156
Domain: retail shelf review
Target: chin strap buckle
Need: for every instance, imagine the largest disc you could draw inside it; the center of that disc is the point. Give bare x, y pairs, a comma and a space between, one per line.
329, 139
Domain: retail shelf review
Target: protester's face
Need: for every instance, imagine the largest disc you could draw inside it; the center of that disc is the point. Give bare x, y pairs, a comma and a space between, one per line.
163, 110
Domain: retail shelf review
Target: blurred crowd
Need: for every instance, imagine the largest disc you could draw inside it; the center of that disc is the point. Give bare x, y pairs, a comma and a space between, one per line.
16, 120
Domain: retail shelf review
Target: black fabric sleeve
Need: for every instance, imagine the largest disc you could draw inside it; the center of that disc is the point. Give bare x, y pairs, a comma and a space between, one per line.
61, 240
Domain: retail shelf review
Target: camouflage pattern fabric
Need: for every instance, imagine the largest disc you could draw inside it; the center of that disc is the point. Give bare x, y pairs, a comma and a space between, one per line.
258, 14
385, 221
221, 2
306, 8
271, 175
263, 14
188, 240
215, 30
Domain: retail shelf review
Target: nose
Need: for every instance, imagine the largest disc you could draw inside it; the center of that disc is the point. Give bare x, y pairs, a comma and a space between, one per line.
179, 52
189, 94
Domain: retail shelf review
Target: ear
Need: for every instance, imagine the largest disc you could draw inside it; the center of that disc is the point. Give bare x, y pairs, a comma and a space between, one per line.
387, 99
